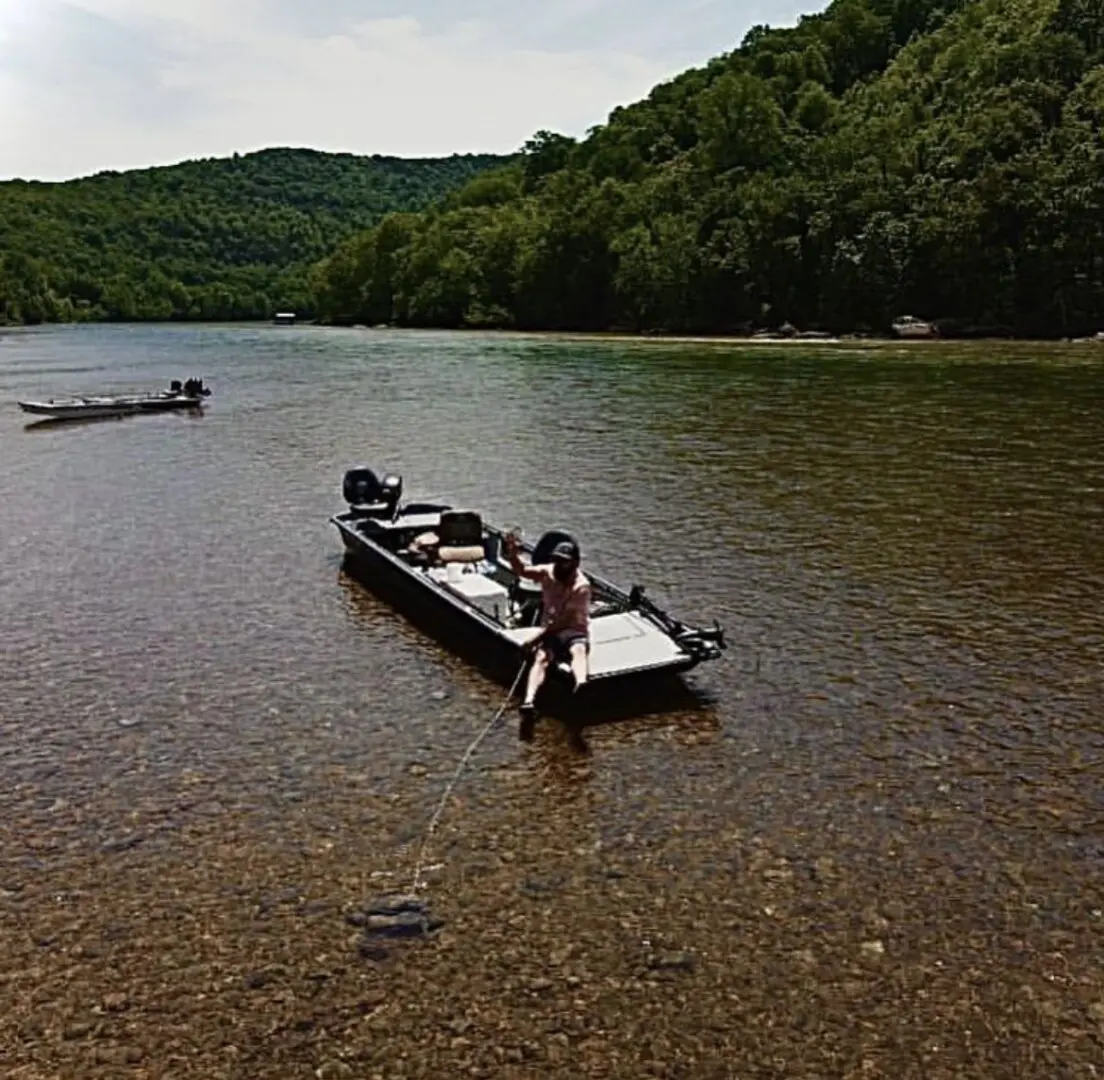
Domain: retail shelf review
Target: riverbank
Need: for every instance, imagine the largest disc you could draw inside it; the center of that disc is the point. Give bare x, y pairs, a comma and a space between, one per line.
758, 338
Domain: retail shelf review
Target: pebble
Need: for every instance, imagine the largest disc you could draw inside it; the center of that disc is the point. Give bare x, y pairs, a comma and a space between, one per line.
672, 961
330, 1070
123, 843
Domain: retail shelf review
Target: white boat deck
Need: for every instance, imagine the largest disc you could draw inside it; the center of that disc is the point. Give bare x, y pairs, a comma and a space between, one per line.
621, 642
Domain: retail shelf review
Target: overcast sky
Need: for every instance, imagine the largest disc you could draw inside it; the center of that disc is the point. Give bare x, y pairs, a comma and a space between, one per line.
115, 84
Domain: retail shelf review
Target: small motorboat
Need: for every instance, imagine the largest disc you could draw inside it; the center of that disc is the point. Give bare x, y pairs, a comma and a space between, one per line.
909, 327
444, 568
187, 395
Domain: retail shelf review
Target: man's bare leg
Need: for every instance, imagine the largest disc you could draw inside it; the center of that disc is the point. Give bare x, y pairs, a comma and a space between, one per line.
537, 672
580, 663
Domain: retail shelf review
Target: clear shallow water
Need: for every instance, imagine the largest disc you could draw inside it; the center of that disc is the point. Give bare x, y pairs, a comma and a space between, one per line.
896, 769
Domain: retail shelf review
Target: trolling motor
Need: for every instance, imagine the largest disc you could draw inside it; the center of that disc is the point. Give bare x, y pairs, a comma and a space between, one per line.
701, 643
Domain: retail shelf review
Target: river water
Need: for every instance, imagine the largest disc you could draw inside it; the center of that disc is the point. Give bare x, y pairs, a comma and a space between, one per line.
868, 843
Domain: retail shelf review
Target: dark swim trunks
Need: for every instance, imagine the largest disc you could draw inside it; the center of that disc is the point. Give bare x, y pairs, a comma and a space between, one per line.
559, 644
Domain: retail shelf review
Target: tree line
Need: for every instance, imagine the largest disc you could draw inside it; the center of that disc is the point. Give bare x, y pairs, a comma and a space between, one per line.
230, 238
933, 157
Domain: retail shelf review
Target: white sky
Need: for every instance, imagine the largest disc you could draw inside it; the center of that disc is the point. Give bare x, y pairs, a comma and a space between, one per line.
115, 84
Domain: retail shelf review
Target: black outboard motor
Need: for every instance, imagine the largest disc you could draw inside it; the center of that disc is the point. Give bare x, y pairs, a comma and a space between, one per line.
369, 496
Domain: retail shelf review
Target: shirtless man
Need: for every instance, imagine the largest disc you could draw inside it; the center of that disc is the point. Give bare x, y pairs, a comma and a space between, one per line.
565, 621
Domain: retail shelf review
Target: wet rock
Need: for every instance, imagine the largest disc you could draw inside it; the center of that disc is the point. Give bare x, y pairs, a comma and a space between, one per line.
408, 924
398, 915
396, 904
537, 887
117, 1055
258, 980
672, 961
123, 843
331, 1070
439, 695
370, 950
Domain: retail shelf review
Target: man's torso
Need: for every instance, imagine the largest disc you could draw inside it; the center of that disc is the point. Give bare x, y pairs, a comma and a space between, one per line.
565, 603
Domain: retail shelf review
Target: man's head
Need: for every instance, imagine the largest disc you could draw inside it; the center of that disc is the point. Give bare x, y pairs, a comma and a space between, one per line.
565, 560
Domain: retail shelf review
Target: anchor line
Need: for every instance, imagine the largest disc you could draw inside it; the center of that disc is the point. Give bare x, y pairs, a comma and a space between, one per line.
472, 747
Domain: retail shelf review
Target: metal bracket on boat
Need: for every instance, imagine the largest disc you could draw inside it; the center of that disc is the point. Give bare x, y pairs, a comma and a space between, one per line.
703, 644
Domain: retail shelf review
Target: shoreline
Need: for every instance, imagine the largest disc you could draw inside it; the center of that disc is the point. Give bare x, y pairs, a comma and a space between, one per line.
621, 336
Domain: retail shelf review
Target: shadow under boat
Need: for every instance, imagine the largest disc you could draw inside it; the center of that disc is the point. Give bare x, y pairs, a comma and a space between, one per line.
484, 614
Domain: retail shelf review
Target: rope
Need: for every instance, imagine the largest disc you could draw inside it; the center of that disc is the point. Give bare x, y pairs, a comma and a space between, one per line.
474, 745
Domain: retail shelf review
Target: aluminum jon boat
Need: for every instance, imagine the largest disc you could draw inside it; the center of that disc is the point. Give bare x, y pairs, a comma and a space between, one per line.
444, 568
189, 395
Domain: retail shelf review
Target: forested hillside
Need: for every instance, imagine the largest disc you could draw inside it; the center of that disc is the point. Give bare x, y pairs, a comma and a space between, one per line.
931, 157
225, 238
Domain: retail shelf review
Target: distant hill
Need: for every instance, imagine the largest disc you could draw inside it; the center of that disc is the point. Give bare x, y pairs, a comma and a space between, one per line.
226, 238
938, 158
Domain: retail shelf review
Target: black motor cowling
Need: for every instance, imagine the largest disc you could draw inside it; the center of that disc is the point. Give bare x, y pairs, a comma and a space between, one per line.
371, 495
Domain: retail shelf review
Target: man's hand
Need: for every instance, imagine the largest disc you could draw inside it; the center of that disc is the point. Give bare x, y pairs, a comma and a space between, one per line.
534, 643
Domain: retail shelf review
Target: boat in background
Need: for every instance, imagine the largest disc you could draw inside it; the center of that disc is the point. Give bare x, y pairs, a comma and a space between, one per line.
187, 395
444, 568
907, 326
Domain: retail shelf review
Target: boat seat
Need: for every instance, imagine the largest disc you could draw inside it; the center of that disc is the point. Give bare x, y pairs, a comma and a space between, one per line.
459, 537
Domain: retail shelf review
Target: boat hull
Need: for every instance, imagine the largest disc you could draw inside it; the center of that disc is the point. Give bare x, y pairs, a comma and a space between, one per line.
447, 623
91, 408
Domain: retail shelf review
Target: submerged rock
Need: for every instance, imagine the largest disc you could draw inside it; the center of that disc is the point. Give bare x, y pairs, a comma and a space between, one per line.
404, 925
394, 916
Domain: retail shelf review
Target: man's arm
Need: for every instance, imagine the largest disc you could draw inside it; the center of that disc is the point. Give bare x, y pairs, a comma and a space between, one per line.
533, 573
